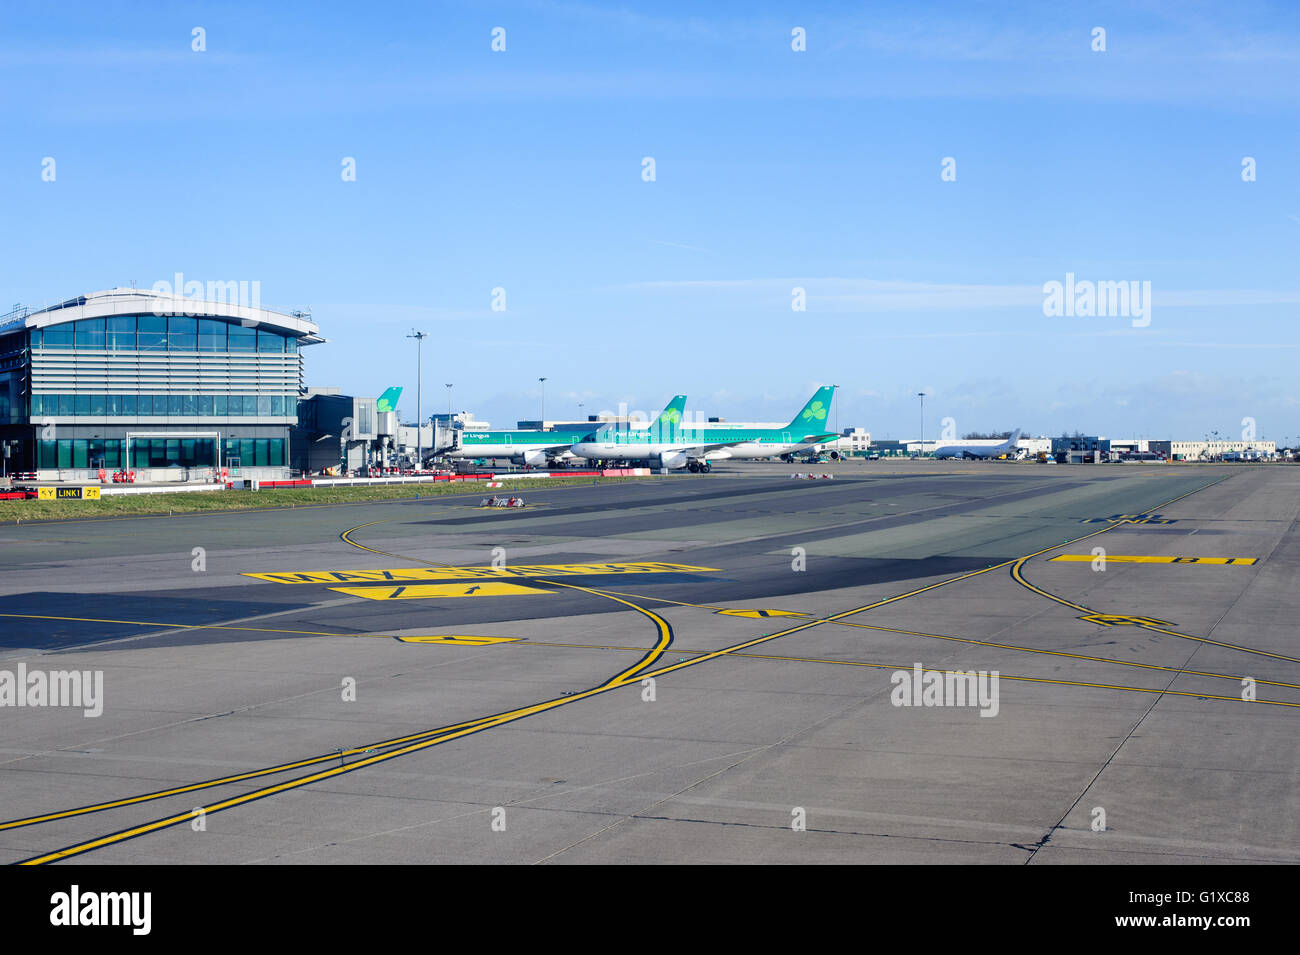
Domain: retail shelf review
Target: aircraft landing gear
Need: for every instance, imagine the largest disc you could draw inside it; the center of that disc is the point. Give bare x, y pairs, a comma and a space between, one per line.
693, 466
705, 467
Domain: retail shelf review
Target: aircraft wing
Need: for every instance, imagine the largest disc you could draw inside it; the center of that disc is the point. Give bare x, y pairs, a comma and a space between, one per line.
706, 448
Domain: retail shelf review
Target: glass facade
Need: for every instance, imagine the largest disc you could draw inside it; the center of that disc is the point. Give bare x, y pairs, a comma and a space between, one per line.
176, 406
181, 452
11, 397
162, 333
47, 374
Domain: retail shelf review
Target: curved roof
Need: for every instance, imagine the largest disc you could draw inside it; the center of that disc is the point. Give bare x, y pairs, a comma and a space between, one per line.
129, 301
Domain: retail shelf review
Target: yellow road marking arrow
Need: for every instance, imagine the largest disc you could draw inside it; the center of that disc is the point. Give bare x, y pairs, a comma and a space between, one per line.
426, 591
429, 574
459, 640
1132, 559
761, 613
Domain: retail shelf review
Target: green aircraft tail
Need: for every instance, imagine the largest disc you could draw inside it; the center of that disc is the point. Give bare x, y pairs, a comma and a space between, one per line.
388, 400
815, 415
670, 419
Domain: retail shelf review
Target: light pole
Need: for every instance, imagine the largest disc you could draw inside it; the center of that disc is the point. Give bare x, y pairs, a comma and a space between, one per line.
449, 428
419, 382
543, 381
921, 395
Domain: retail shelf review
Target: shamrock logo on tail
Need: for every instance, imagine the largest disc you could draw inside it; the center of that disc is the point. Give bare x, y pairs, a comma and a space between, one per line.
815, 410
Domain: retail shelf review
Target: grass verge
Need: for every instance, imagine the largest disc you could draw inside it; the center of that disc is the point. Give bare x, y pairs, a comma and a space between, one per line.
127, 505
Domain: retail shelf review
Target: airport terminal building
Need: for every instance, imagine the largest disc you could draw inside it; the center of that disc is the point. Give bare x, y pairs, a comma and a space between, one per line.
171, 387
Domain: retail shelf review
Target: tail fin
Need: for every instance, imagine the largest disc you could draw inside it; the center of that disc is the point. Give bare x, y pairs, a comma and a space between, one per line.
670, 419
388, 400
1015, 436
816, 413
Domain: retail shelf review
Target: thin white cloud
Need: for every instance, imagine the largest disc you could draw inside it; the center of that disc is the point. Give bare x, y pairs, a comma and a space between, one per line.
130, 58
887, 295
1270, 346
681, 245
387, 313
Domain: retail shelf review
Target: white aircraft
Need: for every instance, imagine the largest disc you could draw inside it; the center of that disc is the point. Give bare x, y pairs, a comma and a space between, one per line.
695, 448
974, 451
540, 448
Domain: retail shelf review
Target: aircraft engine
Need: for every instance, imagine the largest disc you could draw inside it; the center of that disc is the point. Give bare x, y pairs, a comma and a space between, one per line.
531, 458
673, 459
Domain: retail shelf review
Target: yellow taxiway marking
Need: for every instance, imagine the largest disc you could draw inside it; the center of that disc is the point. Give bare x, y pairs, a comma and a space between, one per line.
1132, 559
444, 734
420, 741
483, 720
1056, 653
1147, 623
937, 636
513, 715
474, 573
1124, 620
428, 591
761, 613
459, 640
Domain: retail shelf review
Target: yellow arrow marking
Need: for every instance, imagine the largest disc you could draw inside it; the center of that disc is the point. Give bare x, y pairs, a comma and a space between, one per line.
761, 613
1131, 559
473, 573
459, 641
426, 591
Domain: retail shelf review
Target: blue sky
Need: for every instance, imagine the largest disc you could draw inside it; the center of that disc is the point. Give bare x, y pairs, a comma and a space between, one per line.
774, 169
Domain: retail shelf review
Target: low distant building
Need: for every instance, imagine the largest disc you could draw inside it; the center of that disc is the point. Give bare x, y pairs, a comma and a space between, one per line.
1081, 448
1215, 450
852, 442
